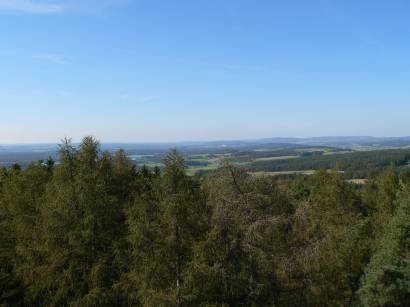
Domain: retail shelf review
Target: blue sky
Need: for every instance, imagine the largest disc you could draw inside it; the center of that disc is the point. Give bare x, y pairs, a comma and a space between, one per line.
158, 70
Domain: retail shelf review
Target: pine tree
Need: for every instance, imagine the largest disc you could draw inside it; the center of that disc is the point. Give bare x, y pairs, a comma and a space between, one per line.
164, 223
329, 246
83, 222
387, 277
236, 263
23, 197
11, 287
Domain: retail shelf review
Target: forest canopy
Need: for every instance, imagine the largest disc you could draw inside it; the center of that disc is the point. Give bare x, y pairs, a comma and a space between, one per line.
96, 230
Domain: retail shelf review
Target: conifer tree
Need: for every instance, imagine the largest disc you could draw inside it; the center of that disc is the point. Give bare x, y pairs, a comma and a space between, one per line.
11, 288
235, 264
387, 277
328, 244
23, 197
164, 224
83, 222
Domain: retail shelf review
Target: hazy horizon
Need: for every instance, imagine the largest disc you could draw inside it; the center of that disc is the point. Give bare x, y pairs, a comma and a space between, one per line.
209, 140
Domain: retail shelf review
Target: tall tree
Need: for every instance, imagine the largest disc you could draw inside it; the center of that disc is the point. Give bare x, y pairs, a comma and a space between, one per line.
236, 264
23, 196
164, 224
387, 278
82, 222
11, 288
328, 244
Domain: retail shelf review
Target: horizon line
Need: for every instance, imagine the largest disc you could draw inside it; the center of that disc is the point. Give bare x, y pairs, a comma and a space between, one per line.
210, 140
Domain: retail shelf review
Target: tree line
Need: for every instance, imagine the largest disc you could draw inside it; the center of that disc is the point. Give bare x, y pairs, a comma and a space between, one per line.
95, 230
355, 164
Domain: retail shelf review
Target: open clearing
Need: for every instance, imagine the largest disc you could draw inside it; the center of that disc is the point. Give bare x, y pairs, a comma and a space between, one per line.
276, 158
272, 174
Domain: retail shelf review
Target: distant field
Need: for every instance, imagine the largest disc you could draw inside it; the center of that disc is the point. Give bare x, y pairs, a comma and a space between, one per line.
205, 162
193, 170
336, 152
270, 159
358, 164
274, 174
290, 161
311, 149
276, 158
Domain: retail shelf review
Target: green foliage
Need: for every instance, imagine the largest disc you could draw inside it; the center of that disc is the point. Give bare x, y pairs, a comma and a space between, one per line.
387, 277
11, 290
83, 225
357, 164
328, 240
94, 230
236, 263
164, 223
23, 194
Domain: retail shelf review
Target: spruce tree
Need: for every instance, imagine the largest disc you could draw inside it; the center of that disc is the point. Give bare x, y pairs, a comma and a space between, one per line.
236, 263
387, 277
82, 222
164, 223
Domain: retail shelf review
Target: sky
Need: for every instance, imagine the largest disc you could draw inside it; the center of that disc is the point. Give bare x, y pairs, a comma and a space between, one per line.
158, 70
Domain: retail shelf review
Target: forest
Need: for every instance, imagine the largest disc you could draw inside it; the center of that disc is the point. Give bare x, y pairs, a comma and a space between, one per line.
95, 229
356, 164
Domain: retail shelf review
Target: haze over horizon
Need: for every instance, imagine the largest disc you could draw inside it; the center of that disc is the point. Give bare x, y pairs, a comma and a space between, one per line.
155, 71
337, 139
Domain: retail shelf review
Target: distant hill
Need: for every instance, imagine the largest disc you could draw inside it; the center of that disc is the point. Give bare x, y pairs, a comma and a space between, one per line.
345, 141
26, 153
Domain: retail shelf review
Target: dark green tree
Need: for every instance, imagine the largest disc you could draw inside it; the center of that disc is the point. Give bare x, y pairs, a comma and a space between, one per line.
237, 263
329, 247
164, 223
387, 277
83, 222
23, 196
